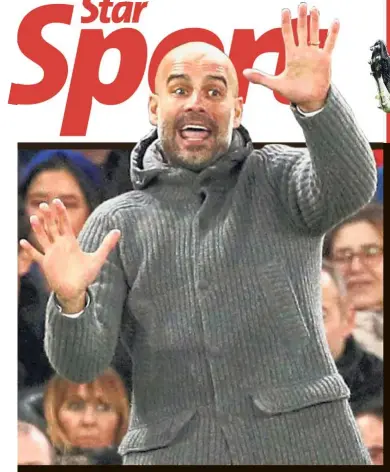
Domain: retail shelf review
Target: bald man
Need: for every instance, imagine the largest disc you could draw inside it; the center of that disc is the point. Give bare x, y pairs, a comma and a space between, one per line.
33, 446
209, 271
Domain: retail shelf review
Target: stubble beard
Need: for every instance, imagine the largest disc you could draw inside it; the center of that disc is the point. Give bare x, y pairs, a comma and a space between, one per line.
197, 157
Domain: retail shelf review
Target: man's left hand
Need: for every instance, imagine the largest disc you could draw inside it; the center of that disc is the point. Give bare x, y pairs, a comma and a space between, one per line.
306, 78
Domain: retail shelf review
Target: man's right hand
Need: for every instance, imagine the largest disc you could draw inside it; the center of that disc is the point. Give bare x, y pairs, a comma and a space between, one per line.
68, 270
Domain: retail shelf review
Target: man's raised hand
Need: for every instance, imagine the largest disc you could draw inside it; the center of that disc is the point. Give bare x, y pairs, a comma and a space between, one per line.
67, 269
306, 78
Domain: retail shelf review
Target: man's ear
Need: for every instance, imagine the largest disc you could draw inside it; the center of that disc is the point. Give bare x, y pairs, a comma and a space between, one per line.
238, 109
153, 109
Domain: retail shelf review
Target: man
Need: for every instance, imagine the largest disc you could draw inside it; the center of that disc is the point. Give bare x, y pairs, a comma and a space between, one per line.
206, 283
33, 446
361, 370
370, 423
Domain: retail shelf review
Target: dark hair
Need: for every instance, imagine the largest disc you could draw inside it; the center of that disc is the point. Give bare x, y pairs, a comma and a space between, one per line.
23, 222
60, 161
375, 408
371, 213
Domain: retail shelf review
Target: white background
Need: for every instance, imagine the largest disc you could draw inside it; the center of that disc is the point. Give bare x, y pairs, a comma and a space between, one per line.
267, 120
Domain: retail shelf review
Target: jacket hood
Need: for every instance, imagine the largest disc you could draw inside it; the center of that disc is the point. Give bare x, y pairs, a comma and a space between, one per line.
147, 160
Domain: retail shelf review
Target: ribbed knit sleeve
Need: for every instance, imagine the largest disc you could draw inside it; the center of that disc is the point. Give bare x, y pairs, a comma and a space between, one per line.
331, 179
81, 348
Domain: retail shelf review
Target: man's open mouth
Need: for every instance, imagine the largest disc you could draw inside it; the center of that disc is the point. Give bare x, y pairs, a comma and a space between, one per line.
194, 132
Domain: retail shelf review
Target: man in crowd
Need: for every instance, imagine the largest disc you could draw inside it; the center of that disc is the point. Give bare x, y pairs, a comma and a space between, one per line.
370, 423
361, 370
215, 281
33, 446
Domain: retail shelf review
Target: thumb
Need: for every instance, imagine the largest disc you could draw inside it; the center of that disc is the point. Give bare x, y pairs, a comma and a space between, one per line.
108, 244
261, 78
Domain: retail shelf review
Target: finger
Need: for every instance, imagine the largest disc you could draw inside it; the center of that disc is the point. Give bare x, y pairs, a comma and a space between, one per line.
332, 37
314, 26
50, 221
31, 251
287, 31
39, 230
302, 24
64, 224
108, 244
256, 77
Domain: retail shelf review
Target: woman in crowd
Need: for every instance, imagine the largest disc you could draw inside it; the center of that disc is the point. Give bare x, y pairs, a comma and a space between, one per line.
65, 174
86, 416
356, 249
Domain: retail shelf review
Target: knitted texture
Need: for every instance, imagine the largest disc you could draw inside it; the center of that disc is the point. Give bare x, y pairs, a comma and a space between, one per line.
215, 288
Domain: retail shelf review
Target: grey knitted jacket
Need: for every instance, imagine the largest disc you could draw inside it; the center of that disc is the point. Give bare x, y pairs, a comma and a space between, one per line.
214, 288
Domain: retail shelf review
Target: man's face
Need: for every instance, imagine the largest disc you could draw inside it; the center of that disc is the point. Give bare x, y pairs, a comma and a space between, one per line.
34, 449
195, 107
338, 317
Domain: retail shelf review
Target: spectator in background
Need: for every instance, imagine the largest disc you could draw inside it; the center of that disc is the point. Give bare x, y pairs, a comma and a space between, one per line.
355, 247
115, 164
33, 365
86, 416
33, 446
62, 174
370, 423
361, 370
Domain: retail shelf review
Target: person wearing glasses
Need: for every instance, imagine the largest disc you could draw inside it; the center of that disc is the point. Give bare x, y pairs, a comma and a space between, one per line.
355, 247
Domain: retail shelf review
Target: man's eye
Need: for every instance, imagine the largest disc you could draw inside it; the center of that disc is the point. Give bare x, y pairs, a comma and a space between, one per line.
214, 92
179, 91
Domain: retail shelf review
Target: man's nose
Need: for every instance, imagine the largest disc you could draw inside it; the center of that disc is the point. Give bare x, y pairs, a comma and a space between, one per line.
195, 102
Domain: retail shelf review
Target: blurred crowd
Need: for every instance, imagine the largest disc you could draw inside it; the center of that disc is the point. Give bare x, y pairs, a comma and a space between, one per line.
65, 423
